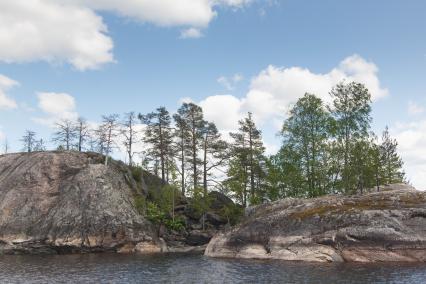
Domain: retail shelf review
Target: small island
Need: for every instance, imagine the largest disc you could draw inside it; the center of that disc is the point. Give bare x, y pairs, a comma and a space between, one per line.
320, 198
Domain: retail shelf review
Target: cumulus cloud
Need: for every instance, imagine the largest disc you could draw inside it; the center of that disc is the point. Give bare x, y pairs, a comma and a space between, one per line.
224, 110
414, 108
168, 13
5, 84
411, 137
70, 31
229, 83
275, 89
192, 13
33, 30
191, 33
56, 106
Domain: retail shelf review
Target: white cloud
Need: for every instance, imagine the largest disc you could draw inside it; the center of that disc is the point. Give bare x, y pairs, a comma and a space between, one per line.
56, 106
70, 31
229, 83
414, 108
5, 101
191, 33
190, 13
167, 13
275, 89
234, 3
33, 30
224, 110
412, 140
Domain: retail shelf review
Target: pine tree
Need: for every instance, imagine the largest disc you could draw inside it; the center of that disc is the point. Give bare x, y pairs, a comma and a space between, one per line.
391, 161
191, 116
158, 134
248, 156
214, 152
179, 148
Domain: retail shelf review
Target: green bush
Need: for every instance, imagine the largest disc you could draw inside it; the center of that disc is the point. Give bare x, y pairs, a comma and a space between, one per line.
155, 214
140, 204
177, 225
233, 213
137, 174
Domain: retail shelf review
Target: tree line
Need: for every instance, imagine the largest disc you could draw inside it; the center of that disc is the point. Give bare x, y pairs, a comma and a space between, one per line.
326, 148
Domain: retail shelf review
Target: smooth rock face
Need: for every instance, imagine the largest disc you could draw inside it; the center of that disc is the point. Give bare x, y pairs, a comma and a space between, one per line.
383, 226
59, 202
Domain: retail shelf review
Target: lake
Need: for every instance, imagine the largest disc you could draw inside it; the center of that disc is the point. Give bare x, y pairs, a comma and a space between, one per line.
181, 268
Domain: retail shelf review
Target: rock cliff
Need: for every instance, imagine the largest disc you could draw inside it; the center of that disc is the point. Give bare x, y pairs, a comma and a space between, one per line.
61, 202
383, 226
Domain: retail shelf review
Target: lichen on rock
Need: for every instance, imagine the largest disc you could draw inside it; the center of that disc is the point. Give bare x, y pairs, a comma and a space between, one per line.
382, 226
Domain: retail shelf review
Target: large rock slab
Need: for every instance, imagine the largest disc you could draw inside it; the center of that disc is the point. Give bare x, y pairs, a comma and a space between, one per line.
60, 202
382, 226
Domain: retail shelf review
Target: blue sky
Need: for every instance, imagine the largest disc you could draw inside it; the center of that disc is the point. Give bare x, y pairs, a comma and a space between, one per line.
237, 56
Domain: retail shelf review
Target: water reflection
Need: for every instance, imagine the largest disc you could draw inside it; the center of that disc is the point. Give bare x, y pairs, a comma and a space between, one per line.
113, 268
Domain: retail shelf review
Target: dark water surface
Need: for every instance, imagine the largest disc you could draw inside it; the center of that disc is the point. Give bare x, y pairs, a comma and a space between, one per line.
175, 268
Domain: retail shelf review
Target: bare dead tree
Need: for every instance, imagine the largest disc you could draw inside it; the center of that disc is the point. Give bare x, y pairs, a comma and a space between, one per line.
109, 133
5, 146
29, 140
40, 146
83, 132
66, 133
130, 134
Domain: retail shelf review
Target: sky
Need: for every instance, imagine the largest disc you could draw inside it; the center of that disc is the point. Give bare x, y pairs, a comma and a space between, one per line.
68, 58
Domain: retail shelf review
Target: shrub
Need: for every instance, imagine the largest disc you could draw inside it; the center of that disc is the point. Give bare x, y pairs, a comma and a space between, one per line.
140, 204
177, 225
154, 214
137, 174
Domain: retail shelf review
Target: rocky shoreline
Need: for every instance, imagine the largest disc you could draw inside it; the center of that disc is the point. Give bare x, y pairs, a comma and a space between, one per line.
68, 202
376, 227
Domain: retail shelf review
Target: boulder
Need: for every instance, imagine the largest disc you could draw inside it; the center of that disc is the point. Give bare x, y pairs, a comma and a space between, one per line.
375, 227
198, 238
59, 202
219, 200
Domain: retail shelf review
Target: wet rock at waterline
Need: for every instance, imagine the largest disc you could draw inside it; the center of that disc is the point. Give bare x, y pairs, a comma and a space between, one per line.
383, 226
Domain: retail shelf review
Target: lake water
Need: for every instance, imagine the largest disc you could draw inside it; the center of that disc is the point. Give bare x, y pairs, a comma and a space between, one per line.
179, 268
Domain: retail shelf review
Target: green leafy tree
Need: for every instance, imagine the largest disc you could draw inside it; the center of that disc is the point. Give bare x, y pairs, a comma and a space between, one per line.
351, 110
306, 133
